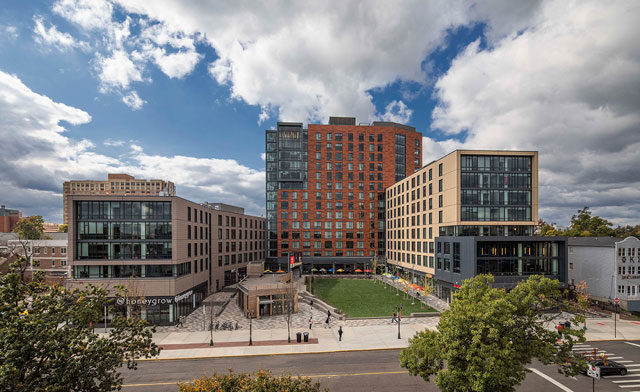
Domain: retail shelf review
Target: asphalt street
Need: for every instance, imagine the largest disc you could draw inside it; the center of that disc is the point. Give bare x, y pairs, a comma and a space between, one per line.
377, 370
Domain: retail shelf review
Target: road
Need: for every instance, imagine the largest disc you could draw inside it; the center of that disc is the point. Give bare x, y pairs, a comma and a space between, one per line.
377, 370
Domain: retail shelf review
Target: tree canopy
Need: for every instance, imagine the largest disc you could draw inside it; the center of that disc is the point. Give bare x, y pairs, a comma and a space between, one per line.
30, 228
585, 224
47, 342
488, 336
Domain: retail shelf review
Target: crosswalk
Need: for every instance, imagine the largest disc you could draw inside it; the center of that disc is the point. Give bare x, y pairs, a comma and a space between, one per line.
629, 382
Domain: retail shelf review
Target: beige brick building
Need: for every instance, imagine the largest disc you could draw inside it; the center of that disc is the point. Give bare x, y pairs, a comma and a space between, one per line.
465, 193
116, 184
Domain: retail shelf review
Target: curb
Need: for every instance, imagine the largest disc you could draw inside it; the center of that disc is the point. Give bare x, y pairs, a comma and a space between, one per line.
268, 354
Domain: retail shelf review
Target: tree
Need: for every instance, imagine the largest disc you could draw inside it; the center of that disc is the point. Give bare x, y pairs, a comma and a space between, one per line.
263, 380
585, 225
63, 228
47, 342
488, 336
28, 229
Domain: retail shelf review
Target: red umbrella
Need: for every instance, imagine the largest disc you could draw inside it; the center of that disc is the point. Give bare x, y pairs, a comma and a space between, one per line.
367, 270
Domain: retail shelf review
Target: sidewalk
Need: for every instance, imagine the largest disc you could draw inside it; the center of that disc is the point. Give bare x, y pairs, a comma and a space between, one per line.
364, 337
274, 341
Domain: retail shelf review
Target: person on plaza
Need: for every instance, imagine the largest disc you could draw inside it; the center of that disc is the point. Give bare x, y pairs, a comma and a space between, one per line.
340, 333
328, 313
311, 304
326, 322
393, 319
310, 321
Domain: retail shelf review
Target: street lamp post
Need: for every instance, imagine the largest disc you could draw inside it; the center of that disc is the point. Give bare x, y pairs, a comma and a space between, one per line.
210, 325
250, 312
399, 311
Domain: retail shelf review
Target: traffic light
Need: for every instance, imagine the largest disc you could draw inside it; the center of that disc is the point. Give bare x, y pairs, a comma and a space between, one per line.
292, 259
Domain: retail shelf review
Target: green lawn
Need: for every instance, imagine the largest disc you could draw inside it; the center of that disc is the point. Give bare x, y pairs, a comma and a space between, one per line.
364, 298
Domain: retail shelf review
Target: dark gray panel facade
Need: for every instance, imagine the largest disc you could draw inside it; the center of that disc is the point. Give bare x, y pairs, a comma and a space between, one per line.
509, 259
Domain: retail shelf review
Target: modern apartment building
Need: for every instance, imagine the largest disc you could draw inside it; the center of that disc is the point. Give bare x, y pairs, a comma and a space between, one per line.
169, 252
116, 184
465, 193
8, 219
237, 240
326, 188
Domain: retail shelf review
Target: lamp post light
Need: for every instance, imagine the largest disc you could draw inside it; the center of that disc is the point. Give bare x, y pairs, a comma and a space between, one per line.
399, 311
211, 326
250, 313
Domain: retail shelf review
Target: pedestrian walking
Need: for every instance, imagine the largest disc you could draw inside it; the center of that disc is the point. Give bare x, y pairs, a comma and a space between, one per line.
340, 334
393, 319
328, 313
326, 323
310, 321
311, 304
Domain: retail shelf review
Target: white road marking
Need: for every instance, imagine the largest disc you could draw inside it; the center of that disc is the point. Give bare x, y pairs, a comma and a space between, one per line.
625, 361
629, 386
551, 380
634, 365
633, 344
624, 381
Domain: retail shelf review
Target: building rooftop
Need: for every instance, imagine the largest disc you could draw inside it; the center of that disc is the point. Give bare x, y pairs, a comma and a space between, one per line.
593, 241
264, 282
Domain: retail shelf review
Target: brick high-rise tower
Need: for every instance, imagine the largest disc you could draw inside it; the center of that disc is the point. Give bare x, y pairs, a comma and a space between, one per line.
326, 189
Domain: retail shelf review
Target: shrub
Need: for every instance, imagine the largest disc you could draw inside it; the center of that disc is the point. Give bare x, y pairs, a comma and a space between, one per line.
262, 381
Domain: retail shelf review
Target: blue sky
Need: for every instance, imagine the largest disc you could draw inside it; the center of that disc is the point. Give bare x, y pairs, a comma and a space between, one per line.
185, 91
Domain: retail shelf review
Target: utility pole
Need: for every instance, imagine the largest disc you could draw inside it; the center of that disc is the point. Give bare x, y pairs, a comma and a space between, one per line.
251, 312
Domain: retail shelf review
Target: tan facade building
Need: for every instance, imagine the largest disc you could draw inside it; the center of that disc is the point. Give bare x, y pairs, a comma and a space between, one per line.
169, 253
465, 193
237, 240
116, 184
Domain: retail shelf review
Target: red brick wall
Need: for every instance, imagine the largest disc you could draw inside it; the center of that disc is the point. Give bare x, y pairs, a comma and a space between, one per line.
367, 213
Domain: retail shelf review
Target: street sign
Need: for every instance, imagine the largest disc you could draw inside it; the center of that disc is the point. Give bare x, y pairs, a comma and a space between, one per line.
617, 300
292, 260
593, 371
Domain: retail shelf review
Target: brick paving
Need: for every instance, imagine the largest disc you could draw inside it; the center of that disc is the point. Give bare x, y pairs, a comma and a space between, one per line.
196, 321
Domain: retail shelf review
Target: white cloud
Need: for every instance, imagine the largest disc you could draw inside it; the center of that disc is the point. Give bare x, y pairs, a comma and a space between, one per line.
89, 14
133, 100
117, 71
53, 37
41, 158
568, 86
397, 111
176, 65
113, 143
263, 156
309, 60
10, 32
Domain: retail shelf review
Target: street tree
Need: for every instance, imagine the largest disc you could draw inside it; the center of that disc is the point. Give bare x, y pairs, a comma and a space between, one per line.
488, 336
27, 229
63, 228
47, 342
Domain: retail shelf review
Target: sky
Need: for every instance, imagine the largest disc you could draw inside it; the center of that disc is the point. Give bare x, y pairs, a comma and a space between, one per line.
183, 91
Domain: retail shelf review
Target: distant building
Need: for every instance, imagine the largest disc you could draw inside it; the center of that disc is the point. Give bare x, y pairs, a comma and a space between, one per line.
51, 227
8, 219
116, 184
261, 295
47, 255
609, 266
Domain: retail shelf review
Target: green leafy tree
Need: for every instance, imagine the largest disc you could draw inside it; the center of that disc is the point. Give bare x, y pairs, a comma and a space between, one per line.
47, 342
583, 224
243, 382
63, 228
28, 229
488, 336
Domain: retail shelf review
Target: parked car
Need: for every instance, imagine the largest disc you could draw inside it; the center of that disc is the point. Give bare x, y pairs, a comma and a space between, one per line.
608, 367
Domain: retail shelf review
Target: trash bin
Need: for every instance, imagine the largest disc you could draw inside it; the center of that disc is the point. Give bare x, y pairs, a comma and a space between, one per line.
299, 337
306, 337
